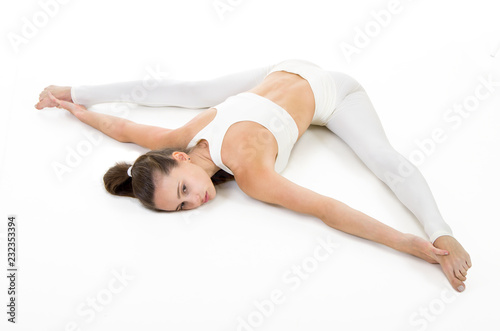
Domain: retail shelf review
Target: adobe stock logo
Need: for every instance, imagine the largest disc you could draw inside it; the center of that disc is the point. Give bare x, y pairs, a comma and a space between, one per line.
291, 280
96, 305
224, 6
431, 311
372, 29
31, 27
454, 117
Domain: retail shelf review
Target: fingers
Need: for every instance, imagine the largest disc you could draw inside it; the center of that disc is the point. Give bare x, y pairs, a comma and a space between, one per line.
441, 252
53, 98
61, 103
69, 106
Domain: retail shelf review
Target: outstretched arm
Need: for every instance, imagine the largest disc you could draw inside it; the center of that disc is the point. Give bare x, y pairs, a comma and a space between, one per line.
156, 90
268, 186
122, 130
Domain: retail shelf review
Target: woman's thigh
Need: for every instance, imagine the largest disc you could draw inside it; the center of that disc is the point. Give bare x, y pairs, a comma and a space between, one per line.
354, 118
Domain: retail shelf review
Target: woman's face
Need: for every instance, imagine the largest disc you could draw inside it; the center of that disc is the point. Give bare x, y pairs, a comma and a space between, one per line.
187, 186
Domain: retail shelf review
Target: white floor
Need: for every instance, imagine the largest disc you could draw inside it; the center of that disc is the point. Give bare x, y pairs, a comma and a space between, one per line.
91, 261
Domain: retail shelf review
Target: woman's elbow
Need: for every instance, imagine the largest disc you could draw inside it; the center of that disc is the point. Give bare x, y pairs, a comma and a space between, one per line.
329, 210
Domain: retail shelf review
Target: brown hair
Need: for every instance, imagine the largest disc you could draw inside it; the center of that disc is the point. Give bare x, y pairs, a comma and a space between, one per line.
141, 185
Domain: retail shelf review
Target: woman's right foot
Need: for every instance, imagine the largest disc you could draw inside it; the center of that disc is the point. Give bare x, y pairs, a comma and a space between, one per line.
448, 252
60, 92
456, 264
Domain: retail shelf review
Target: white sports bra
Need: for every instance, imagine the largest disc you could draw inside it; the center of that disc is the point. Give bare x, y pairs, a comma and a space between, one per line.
249, 106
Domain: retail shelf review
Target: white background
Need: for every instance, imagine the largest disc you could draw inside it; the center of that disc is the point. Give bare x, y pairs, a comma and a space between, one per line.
206, 269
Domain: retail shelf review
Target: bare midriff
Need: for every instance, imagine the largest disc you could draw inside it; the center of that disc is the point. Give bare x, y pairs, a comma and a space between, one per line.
292, 93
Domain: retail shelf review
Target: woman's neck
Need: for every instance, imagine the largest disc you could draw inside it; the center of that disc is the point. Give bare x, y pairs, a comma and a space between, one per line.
200, 155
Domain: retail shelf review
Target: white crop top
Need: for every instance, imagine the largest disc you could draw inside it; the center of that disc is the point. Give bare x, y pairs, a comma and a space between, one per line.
249, 106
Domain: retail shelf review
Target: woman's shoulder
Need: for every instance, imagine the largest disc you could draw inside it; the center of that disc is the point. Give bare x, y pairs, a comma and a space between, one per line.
248, 147
188, 131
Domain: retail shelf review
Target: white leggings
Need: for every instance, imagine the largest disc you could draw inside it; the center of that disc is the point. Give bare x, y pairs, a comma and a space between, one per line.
354, 121
357, 124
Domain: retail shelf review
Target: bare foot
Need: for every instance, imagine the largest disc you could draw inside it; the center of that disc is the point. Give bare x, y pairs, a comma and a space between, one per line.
456, 263
60, 92
423, 249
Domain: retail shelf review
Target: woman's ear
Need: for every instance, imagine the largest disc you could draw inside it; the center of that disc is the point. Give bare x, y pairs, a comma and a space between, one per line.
180, 156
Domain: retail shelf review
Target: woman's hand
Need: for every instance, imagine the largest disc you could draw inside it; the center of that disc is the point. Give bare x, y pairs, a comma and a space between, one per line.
423, 249
74, 109
117, 128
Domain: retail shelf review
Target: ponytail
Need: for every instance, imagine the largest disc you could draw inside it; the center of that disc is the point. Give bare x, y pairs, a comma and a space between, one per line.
118, 182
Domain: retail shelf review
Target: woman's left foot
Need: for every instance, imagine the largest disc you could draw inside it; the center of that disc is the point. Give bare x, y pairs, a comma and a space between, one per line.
60, 92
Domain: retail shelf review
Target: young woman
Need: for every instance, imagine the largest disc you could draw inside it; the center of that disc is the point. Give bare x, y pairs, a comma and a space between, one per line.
249, 134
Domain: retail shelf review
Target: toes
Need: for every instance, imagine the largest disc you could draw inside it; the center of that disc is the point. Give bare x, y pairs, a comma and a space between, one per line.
459, 275
457, 284
42, 104
42, 96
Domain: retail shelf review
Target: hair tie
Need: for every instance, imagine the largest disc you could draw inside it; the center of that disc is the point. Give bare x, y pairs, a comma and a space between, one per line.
129, 171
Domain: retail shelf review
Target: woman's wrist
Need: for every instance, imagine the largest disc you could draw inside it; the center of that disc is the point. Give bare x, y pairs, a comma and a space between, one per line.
406, 244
